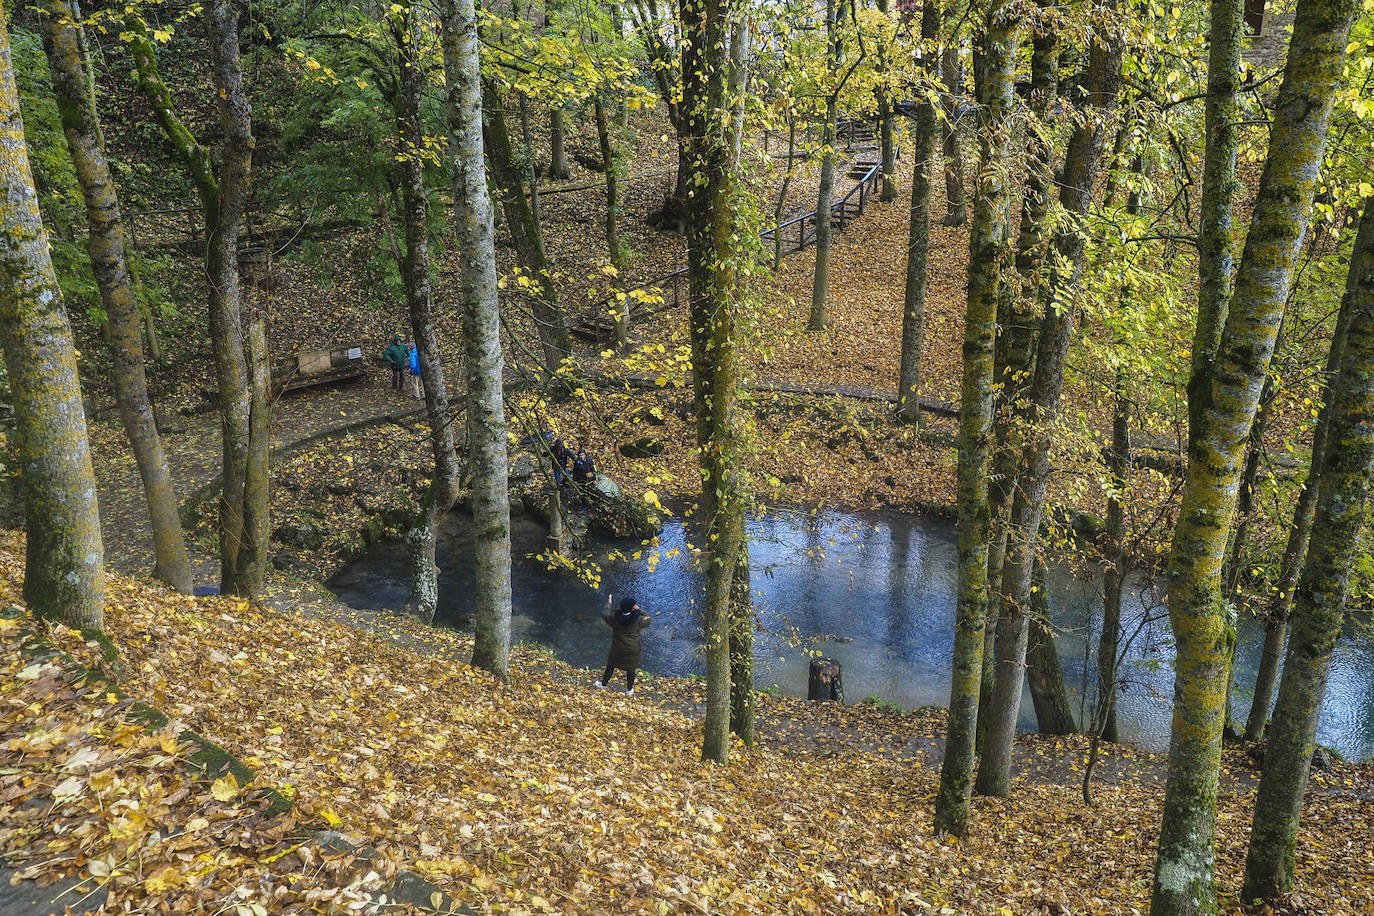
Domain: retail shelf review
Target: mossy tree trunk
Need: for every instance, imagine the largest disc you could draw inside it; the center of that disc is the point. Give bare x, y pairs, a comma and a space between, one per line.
223, 196
918, 238
64, 575
525, 231
1003, 26
422, 534
1299, 534
481, 339
1018, 326
713, 278
81, 125
1082, 163
1222, 408
1320, 608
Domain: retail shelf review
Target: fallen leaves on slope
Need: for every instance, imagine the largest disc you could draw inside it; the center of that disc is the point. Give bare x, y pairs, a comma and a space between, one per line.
540, 796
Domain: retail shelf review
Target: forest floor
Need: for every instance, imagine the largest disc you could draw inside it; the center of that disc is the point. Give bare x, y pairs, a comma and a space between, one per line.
544, 795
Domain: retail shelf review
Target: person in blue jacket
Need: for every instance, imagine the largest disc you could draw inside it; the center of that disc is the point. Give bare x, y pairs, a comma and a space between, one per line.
415, 387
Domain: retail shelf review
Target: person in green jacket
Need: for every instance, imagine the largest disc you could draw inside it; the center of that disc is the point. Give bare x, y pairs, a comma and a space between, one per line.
398, 358
626, 623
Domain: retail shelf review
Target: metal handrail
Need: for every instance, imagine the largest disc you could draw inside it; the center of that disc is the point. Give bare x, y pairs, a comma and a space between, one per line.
870, 177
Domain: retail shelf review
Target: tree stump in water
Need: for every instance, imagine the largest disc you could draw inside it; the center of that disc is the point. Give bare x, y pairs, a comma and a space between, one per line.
825, 681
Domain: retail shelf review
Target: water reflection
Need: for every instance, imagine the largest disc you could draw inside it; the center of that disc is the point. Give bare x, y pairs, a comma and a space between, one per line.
876, 593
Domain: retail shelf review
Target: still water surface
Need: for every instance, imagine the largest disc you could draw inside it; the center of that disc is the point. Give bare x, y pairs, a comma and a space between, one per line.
874, 592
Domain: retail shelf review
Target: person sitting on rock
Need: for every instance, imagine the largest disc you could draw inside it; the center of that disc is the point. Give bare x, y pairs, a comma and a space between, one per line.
626, 623
583, 469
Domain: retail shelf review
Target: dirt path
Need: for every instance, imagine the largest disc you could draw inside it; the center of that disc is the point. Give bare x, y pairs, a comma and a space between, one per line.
193, 453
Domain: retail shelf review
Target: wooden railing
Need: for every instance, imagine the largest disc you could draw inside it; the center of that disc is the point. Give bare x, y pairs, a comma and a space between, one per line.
801, 229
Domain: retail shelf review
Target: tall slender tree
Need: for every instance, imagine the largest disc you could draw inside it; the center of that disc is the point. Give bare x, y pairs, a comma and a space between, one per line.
1295, 550
1002, 31
73, 87
1319, 612
64, 575
918, 234
820, 282
422, 533
486, 410
712, 265
1082, 164
1222, 405
223, 192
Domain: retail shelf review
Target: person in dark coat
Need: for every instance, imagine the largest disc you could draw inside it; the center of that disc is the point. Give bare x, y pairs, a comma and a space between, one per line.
583, 469
398, 358
562, 458
626, 622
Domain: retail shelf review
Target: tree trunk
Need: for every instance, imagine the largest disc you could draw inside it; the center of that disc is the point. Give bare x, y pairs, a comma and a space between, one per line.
1114, 576
243, 559
81, 124
558, 156
1082, 163
1014, 356
481, 340
1229, 395
820, 284
610, 165
742, 651
422, 534
781, 205
524, 229
956, 210
64, 565
975, 420
918, 239
713, 279
1319, 611
1053, 711
886, 141
1295, 551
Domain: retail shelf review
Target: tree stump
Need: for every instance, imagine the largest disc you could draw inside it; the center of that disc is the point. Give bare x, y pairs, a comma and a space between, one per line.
825, 681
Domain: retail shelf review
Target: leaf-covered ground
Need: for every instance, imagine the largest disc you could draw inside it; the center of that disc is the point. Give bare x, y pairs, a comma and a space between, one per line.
544, 795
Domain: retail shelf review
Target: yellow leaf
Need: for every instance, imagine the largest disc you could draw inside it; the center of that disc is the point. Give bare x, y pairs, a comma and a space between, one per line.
226, 788
330, 817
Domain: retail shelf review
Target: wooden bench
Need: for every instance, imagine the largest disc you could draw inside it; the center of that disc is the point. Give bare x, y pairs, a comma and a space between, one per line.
311, 368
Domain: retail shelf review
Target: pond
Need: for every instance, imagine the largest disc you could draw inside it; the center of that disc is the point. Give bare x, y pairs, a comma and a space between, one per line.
875, 592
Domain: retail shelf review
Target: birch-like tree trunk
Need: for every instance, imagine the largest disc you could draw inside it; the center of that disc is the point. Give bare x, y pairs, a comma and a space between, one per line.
975, 417
713, 277
481, 339
820, 283
81, 125
64, 576
1204, 630
1082, 163
918, 237
1320, 609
